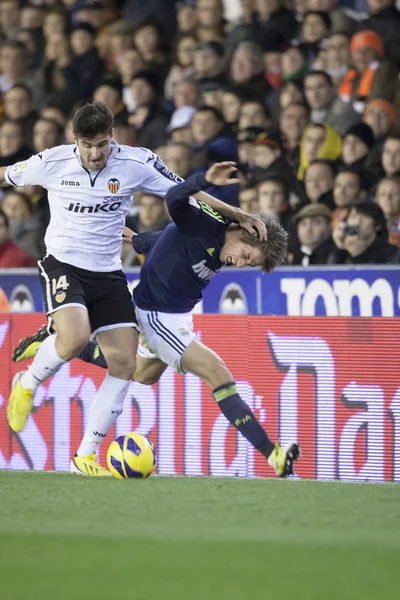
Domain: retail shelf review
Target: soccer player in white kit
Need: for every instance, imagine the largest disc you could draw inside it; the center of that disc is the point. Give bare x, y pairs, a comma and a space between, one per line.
90, 186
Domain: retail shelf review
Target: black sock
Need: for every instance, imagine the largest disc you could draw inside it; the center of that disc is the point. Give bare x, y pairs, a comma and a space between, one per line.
241, 416
92, 354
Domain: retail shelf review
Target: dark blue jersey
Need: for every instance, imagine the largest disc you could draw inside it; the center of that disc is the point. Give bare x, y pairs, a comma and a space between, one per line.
181, 259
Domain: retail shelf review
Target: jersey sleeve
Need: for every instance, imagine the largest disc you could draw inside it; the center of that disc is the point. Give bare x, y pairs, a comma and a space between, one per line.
27, 172
158, 179
192, 216
144, 242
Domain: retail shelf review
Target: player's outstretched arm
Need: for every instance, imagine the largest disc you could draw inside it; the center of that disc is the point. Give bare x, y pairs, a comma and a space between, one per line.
221, 174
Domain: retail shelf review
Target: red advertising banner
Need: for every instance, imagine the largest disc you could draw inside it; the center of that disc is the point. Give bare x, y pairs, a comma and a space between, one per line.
330, 383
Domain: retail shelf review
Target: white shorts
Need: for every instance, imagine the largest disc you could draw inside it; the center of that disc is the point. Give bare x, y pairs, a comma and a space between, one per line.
165, 336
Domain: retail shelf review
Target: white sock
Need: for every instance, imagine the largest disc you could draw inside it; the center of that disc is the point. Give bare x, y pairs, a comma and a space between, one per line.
107, 406
44, 365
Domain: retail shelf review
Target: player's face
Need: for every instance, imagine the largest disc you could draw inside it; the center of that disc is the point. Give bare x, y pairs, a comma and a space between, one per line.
94, 151
237, 253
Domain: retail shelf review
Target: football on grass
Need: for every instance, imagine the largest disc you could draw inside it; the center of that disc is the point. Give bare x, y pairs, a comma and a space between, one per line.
132, 455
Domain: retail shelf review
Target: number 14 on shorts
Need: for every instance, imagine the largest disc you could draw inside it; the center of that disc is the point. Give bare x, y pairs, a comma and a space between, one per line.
59, 284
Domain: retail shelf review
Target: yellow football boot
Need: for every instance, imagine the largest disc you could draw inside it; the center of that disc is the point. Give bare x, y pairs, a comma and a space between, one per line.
28, 347
20, 404
89, 466
282, 459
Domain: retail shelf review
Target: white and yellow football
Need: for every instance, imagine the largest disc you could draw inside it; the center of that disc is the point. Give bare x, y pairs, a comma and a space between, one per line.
132, 455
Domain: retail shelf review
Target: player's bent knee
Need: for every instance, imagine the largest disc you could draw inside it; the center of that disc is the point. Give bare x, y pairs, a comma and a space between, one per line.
121, 365
69, 346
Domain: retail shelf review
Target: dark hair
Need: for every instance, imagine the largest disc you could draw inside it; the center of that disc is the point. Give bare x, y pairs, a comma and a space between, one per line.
324, 16
274, 249
323, 74
249, 185
393, 136
279, 181
217, 113
56, 125
255, 101
302, 105
326, 163
163, 44
25, 88
12, 122
297, 83
91, 120
362, 183
14, 45
5, 218
374, 211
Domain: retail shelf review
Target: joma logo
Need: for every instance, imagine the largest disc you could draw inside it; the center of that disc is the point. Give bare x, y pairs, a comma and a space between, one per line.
71, 183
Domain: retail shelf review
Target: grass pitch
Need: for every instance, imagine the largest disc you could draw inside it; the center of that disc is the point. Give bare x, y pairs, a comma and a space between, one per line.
73, 538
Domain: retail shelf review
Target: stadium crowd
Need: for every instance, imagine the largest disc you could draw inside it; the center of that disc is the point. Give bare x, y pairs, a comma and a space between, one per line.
303, 94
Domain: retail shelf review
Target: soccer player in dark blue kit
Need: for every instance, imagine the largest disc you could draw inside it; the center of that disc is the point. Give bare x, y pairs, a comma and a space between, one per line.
180, 261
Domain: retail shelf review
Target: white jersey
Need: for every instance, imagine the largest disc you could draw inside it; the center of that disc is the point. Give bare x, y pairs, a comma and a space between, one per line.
88, 208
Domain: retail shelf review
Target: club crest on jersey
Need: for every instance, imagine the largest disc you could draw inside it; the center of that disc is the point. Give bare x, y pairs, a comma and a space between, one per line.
60, 297
113, 185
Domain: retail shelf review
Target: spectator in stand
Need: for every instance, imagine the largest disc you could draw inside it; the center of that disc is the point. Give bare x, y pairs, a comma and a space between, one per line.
231, 103
341, 18
272, 46
130, 63
391, 156
55, 21
292, 123
18, 107
209, 64
319, 180
178, 159
183, 66
381, 116
152, 215
363, 239
248, 198
385, 21
337, 57
253, 114
388, 198
316, 28
46, 134
291, 92
109, 92
315, 244
10, 15
151, 41
208, 136
318, 141
325, 106
180, 126
124, 132
210, 14
372, 76
12, 145
247, 70
11, 255
186, 17
135, 11
294, 63
13, 68
24, 226
272, 14
356, 152
84, 68
348, 187
273, 200
120, 40
54, 113
187, 93
150, 118
246, 148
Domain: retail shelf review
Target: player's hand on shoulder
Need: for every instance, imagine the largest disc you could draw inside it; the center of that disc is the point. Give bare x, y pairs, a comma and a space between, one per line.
254, 224
221, 173
128, 234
